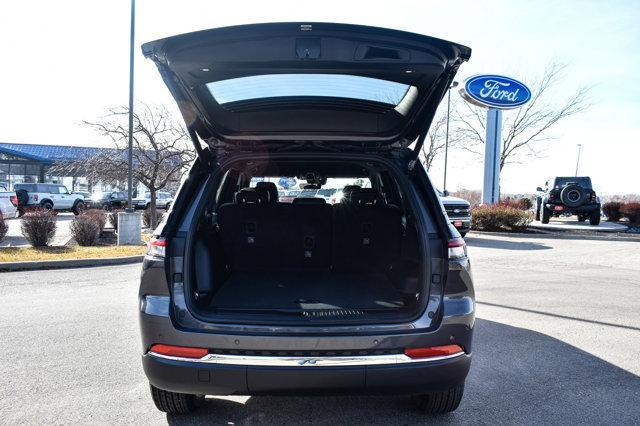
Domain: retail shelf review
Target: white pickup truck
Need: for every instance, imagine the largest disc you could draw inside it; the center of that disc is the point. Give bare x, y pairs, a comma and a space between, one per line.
49, 196
7, 209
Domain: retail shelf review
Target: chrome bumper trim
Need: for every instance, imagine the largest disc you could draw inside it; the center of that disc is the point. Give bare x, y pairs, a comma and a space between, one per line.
306, 361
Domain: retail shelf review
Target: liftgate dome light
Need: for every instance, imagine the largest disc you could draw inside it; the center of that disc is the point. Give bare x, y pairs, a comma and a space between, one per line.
495, 91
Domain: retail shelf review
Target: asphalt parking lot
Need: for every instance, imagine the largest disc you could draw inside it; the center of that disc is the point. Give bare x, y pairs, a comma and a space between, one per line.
557, 341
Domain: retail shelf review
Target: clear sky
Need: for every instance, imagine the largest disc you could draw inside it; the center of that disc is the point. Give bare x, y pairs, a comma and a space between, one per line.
66, 61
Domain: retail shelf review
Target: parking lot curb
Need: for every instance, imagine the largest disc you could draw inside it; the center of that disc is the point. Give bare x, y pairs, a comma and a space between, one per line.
560, 236
67, 263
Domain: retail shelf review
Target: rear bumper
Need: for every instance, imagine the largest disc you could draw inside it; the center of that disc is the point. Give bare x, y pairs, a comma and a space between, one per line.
197, 377
462, 224
573, 210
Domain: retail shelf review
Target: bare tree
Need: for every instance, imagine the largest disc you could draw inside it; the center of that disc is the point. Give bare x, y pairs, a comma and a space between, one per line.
524, 128
435, 141
161, 150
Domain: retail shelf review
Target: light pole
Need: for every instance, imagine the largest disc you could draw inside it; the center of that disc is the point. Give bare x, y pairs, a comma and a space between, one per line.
578, 160
130, 153
129, 225
446, 136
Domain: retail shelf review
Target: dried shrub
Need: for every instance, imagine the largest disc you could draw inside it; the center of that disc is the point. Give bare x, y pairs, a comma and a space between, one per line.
499, 218
146, 217
631, 211
39, 226
85, 230
521, 204
3, 227
98, 215
612, 210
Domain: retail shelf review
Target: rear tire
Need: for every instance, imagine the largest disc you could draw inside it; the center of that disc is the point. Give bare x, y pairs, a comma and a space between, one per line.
23, 197
546, 215
175, 403
594, 217
439, 402
78, 208
47, 205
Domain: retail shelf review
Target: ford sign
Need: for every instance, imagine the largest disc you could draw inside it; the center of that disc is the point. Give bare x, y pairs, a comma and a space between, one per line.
495, 91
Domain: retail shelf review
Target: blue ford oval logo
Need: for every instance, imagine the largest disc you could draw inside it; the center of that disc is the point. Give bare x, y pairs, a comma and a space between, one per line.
495, 91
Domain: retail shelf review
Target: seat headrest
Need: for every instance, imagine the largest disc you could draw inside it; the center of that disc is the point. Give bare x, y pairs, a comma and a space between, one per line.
270, 188
251, 196
367, 196
309, 201
348, 190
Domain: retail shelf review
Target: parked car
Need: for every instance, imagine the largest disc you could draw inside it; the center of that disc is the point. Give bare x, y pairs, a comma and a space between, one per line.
7, 208
567, 196
458, 210
85, 195
243, 294
290, 195
163, 200
49, 196
116, 200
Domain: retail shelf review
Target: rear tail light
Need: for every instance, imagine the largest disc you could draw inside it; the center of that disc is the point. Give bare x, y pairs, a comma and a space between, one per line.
434, 351
179, 351
157, 247
457, 248
14, 200
593, 195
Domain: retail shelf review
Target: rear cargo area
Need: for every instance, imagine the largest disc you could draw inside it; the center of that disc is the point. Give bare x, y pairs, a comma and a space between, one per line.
307, 258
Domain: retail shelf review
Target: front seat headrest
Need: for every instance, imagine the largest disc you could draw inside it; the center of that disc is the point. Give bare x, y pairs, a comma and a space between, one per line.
270, 188
251, 196
367, 196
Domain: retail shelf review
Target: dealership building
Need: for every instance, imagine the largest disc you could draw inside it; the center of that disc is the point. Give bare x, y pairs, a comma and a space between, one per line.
30, 163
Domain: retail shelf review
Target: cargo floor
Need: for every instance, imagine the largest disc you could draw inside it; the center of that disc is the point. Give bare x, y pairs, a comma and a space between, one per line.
307, 290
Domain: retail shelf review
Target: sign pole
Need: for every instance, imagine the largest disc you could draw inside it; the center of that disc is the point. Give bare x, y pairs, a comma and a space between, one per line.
496, 93
492, 150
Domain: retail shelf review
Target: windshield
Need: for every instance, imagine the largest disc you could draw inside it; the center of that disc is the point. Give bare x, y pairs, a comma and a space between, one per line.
314, 85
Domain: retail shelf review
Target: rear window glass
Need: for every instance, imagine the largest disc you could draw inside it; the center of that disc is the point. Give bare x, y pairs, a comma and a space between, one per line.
584, 182
290, 188
315, 85
26, 186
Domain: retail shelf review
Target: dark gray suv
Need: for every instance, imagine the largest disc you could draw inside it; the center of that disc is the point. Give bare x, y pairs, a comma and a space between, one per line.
244, 294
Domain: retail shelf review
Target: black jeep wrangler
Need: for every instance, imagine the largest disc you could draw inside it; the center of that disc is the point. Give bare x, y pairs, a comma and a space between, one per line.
567, 196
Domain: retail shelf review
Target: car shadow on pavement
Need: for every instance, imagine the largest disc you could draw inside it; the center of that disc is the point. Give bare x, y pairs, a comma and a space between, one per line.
504, 244
517, 376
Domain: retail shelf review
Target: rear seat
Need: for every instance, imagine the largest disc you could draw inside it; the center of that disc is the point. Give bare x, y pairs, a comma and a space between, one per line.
367, 231
250, 227
308, 234
362, 232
